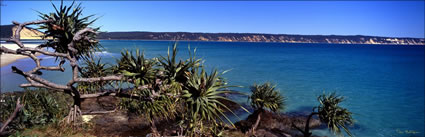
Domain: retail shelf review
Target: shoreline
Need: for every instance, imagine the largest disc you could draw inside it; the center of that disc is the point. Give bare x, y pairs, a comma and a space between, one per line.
6, 59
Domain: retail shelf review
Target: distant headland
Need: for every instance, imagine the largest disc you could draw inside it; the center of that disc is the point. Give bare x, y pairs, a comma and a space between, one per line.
245, 37
257, 37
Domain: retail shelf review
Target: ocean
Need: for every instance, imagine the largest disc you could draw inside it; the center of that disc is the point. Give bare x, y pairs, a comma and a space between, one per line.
383, 84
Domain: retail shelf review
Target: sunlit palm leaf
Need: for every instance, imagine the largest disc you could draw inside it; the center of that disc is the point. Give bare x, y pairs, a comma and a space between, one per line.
93, 68
136, 68
178, 71
266, 96
63, 28
201, 95
333, 115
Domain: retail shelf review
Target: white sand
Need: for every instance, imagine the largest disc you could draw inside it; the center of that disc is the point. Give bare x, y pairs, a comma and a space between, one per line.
6, 59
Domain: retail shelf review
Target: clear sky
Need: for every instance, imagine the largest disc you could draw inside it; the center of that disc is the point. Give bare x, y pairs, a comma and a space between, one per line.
376, 18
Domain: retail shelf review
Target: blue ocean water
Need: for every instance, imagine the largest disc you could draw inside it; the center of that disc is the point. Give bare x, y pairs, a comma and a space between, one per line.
383, 84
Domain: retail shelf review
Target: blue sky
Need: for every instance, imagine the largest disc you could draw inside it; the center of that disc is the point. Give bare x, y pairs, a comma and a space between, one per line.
376, 18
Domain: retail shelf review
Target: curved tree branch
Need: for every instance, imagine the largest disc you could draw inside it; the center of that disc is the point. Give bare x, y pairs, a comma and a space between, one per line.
106, 78
16, 38
12, 116
43, 52
37, 79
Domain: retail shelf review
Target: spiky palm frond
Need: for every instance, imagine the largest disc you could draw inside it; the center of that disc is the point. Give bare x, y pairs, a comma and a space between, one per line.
335, 116
93, 68
266, 96
136, 68
201, 97
178, 71
67, 21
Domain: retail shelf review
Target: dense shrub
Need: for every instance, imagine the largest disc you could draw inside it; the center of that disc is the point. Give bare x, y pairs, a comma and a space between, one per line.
41, 107
93, 67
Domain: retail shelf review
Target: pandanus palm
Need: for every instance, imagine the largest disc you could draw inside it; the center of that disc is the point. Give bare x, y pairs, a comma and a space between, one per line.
265, 96
136, 68
66, 22
178, 71
336, 117
204, 111
145, 100
93, 68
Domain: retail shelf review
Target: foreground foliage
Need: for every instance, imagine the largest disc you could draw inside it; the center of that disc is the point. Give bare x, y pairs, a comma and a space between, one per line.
331, 113
136, 68
41, 107
204, 111
265, 96
165, 89
148, 95
335, 116
66, 22
71, 39
93, 67
178, 72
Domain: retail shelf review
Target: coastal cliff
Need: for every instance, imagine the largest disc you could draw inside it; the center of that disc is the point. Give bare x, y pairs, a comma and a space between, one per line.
256, 37
8, 31
29, 33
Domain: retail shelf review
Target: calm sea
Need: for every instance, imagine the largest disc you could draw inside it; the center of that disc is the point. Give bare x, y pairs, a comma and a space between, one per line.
383, 84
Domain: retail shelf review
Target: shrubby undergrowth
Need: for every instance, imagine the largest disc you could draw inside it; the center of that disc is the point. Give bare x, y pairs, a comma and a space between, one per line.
41, 107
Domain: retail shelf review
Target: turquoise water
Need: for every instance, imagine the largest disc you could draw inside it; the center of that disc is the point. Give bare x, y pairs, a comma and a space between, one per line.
383, 84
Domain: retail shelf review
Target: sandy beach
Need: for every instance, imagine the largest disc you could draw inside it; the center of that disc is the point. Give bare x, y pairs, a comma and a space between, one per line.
9, 58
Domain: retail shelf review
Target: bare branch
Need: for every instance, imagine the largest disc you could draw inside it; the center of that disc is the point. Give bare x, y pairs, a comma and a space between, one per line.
12, 116
33, 85
106, 78
42, 52
124, 95
21, 51
38, 67
8, 51
38, 79
127, 94
16, 38
79, 35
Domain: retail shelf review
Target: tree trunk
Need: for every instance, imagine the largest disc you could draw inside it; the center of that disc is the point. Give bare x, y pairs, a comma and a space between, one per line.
155, 132
74, 115
12, 116
307, 132
251, 132
257, 122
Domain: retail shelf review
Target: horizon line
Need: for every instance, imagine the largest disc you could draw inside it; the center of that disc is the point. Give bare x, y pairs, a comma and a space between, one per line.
263, 33
364, 35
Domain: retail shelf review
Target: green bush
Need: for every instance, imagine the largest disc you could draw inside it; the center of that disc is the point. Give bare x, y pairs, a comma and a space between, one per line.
204, 111
93, 67
41, 107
